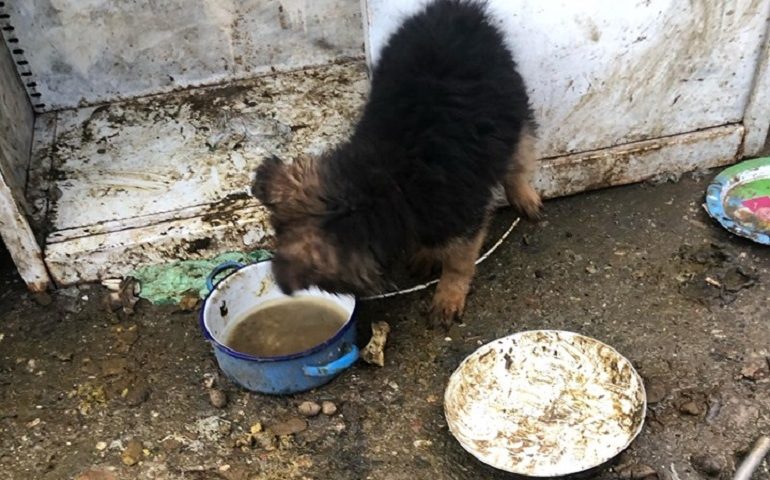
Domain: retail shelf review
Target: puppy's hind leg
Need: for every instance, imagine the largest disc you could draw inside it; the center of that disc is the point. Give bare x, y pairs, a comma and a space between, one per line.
518, 179
458, 266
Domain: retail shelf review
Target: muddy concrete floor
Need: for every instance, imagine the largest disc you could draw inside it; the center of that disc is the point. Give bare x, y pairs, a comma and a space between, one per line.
96, 395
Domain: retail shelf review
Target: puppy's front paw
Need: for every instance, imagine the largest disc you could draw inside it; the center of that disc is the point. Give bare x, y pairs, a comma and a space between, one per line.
447, 307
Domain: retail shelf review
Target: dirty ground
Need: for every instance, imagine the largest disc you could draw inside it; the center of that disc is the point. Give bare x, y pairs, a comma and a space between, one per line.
95, 395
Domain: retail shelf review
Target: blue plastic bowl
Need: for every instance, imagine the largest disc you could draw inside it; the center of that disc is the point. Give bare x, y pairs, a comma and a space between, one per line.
238, 294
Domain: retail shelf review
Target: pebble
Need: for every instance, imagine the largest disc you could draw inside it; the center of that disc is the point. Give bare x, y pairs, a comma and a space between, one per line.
309, 409
218, 398
289, 427
132, 453
101, 446
756, 369
328, 408
691, 408
190, 302
209, 379
255, 428
708, 465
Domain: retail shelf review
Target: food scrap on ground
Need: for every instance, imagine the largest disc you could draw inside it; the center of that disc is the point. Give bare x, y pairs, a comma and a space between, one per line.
374, 351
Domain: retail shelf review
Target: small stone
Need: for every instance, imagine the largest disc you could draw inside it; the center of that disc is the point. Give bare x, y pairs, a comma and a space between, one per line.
422, 443
255, 428
309, 409
96, 474
289, 427
101, 446
339, 427
209, 379
34, 423
756, 369
637, 471
190, 301
218, 398
132, 453
691, 408
708, 465
591, 269
328, 408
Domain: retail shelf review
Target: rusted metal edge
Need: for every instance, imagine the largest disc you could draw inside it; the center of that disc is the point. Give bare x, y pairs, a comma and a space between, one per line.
639, 161
117, 254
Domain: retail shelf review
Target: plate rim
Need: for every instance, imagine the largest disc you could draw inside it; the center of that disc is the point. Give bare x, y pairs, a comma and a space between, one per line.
723, 183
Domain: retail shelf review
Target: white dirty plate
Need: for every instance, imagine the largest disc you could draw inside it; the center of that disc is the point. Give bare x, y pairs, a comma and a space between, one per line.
545, 403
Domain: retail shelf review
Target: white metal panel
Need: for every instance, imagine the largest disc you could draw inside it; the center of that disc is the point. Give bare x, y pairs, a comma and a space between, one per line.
603, 73
169, 153
757, 120
116, 254
164, 178
94, 51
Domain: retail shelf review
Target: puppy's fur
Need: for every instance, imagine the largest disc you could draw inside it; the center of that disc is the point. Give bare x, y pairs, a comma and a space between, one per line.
447, 120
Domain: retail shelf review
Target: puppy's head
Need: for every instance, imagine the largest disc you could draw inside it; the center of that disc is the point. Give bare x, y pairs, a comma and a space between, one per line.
311, 249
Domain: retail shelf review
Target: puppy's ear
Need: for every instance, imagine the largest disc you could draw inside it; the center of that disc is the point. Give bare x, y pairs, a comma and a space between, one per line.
268, 176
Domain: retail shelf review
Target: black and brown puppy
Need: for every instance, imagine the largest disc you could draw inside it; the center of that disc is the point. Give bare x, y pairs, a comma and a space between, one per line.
447, 120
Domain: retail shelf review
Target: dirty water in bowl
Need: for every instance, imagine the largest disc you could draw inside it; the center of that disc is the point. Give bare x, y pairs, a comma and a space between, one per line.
285, 326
